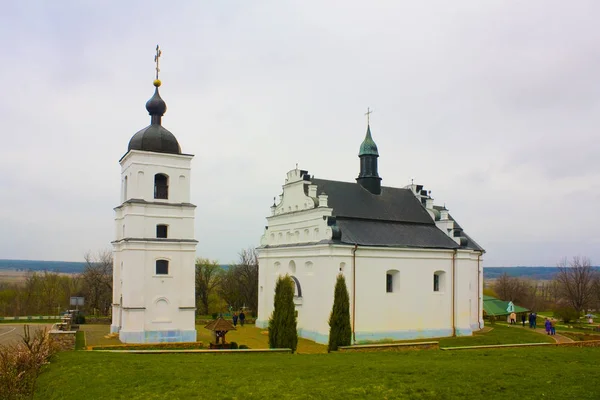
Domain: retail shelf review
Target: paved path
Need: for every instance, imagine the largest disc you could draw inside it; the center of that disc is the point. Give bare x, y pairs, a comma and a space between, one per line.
12, 333
557, 338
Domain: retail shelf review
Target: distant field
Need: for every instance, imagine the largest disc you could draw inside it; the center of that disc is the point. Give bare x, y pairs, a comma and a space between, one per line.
68, 267
14, 276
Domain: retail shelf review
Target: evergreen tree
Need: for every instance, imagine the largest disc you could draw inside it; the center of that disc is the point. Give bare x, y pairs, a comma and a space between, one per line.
282, 324
340, 332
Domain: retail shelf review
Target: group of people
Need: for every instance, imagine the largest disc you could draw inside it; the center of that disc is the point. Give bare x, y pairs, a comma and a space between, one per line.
241, 316
550, 326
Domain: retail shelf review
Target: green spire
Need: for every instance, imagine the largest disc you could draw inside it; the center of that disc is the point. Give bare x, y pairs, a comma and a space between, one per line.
368, 146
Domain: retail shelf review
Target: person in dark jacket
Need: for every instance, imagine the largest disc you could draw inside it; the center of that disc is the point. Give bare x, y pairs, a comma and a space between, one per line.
242, 318
523, 319
235, 318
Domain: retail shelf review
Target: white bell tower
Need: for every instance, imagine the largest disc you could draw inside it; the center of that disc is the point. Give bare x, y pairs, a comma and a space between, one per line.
154, 252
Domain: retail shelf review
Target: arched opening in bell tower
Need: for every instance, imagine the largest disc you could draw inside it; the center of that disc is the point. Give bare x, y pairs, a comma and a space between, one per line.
161, 186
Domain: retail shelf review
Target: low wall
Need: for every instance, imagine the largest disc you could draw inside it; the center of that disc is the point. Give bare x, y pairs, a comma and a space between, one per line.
584, 343
64, 340
29, 318
390, 347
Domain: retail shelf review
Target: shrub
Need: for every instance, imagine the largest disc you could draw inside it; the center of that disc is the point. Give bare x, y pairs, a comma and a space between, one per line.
233, 345
20, 364
215, 315
567, 314
282, 324
243, 346
340, 332
79, 319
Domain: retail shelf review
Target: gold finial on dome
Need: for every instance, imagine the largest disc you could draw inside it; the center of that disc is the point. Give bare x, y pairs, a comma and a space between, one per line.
157, 82
156, 60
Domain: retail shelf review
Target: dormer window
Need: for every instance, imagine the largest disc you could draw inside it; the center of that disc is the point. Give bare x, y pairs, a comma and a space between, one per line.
161, 186
161, 231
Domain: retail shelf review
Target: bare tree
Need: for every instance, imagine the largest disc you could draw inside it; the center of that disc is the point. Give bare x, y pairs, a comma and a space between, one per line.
97, 280
208, 277
575, 282
240, 283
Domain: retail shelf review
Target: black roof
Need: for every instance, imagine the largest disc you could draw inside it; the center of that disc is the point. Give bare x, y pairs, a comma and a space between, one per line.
394, 218
155, 138
393, 234
393, 204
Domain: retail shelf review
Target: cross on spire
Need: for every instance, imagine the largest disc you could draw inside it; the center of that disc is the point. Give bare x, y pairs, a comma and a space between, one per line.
156, 59
368, 114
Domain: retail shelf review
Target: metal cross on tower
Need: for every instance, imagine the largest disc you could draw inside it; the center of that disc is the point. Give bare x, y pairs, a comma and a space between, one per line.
156, 59
368, 114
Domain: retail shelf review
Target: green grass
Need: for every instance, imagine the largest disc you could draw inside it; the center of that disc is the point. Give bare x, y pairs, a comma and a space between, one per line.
254, 338
79, 340
501, 334
524, 373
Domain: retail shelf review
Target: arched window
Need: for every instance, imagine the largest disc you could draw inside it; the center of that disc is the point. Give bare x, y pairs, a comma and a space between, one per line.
292, 267
392, 281
161, 186
439, 281
162, 267
161, 231
297, 287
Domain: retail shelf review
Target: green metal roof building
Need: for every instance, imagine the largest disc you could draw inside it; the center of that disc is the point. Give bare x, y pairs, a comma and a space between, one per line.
495, 307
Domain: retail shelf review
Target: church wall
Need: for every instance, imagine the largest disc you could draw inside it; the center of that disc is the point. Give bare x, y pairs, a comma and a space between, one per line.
413, 310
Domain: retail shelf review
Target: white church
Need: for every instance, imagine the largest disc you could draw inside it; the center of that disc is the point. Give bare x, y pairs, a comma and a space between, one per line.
411, 270
154, 251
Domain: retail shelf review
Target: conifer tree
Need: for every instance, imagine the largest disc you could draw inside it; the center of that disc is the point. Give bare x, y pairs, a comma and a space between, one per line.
282, 324
340, 332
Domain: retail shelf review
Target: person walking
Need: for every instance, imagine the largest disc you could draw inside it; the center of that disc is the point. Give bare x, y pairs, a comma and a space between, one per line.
242, 318
534, 320
235, 319
531, 320
548, 326
523, 319
553, 326
513, 318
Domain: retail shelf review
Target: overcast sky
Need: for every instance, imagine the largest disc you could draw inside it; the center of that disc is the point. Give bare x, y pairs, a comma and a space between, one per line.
494, 106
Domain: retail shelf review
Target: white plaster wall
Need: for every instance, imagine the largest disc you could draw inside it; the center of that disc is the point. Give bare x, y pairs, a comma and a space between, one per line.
413, 308
153, 302
140, 167
140, 220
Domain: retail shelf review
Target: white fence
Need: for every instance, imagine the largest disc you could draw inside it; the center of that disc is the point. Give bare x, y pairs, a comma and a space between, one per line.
33, 318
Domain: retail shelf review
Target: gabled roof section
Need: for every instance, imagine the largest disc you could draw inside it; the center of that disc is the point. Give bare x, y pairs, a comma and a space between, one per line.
351, 200
394, 234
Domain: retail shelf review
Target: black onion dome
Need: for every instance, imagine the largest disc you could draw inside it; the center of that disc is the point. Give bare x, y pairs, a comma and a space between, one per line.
155, 137
156, 105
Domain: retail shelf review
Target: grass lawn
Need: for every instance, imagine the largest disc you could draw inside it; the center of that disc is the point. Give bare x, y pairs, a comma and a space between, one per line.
524, 373
255, 338
501, 334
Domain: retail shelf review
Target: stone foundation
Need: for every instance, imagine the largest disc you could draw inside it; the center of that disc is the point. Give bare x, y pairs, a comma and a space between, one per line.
64, 340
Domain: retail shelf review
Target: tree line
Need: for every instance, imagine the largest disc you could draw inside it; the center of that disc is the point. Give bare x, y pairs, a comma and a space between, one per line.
574, 290
218, 288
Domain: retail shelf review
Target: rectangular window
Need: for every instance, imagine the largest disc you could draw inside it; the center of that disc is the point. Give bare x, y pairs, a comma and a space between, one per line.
162, 267
389, 283
436, 283
161, 231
